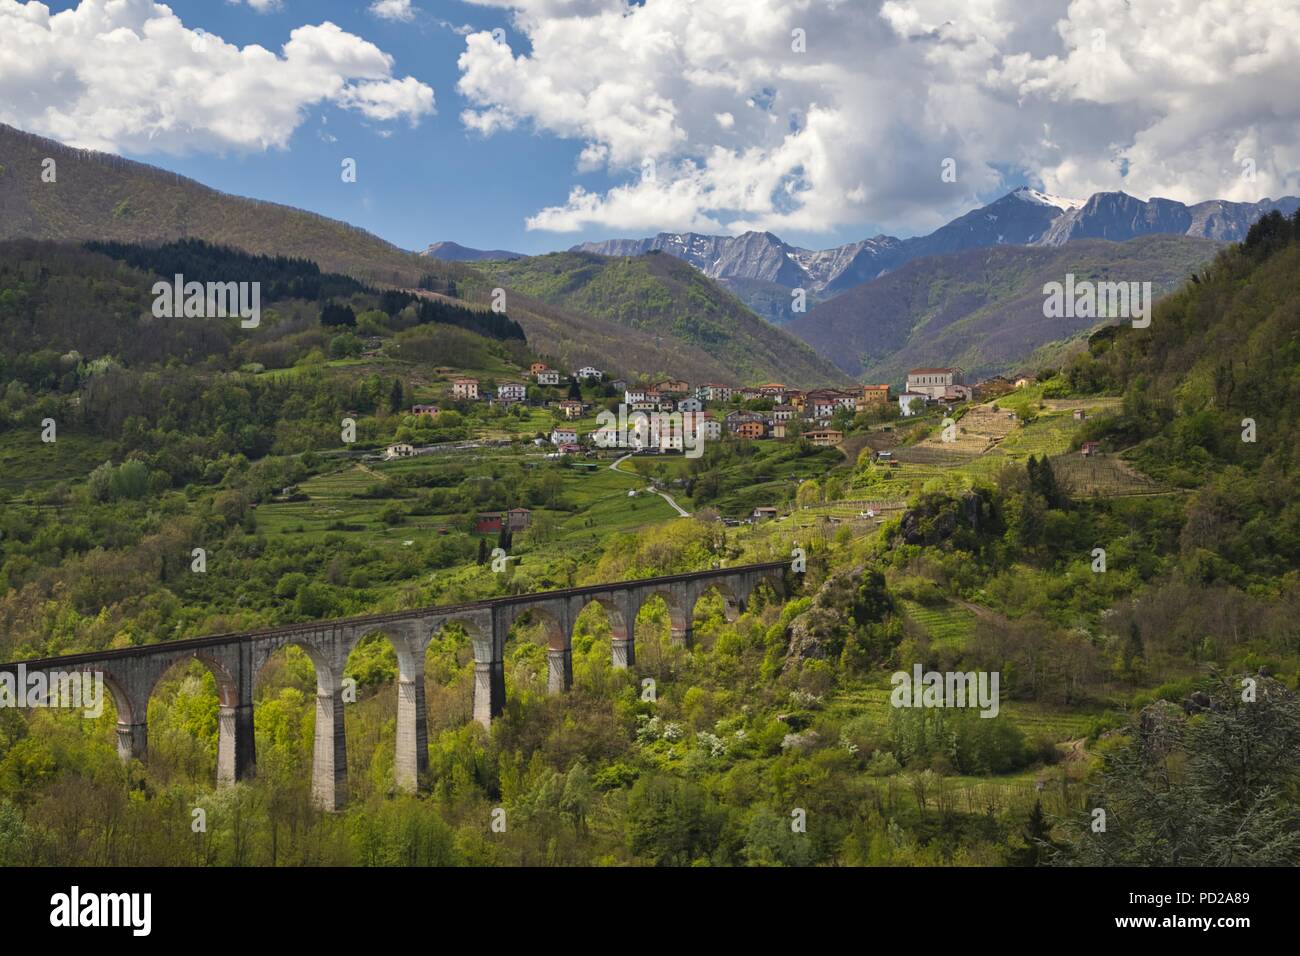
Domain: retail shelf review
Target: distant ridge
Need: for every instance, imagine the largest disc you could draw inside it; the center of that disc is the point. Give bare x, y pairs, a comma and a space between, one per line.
1023, 217
455, 252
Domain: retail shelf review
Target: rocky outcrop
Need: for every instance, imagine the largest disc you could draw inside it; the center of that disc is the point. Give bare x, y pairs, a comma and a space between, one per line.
937, 518
751, 255
1119, 217
817, 633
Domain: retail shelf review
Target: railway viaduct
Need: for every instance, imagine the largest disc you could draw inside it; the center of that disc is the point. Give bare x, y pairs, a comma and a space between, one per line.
130, 674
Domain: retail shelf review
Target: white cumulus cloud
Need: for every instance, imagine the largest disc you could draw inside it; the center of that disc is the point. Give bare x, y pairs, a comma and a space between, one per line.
1155, 97
129, 75
399, 10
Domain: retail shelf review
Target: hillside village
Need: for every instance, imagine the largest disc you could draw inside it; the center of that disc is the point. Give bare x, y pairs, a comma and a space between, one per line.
669, 415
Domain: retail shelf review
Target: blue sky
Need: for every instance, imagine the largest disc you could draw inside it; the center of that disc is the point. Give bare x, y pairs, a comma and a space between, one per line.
590, 119
420, 185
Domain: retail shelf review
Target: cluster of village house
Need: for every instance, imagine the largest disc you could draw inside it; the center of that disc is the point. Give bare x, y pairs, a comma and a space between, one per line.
812, 409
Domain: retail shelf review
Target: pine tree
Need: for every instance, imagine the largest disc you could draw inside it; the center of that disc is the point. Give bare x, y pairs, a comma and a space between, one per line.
332, 313
1042, 479
482, 551
1037, 836
1133, 650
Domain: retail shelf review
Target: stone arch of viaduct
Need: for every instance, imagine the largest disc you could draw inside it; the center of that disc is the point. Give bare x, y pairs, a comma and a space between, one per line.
131, 674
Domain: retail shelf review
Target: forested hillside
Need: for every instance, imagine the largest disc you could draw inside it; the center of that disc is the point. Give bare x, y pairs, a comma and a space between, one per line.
98, 300
79, 344
662, 296
982, 309
1212, 403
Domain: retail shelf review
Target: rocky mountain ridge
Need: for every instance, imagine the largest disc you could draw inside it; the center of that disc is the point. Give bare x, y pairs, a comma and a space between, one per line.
1023, 217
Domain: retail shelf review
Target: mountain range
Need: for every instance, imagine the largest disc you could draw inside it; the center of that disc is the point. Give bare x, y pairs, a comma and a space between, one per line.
753, 263
964, 294
97, 196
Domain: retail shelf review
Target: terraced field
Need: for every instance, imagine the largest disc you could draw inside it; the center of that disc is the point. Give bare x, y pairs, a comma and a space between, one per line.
1044, 720
343, 484
335, 505
1035, 720
1049, 434
949, 626
992, 440
871, 700
1104, 475
853, 507
933, 453
1102, 403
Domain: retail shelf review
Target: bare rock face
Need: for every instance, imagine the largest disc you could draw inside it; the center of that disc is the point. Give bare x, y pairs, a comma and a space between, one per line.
919, 528
1118, 217
818, 627
974, 507
751, 255
809, 634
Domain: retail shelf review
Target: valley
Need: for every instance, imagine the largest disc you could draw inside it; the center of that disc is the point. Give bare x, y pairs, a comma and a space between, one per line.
1103, 531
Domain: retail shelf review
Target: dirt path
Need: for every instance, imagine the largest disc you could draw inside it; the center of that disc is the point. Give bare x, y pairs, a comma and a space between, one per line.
662, 494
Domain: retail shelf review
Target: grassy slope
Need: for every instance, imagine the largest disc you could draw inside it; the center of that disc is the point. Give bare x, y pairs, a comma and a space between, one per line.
662, 296
97, 196
981, 309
